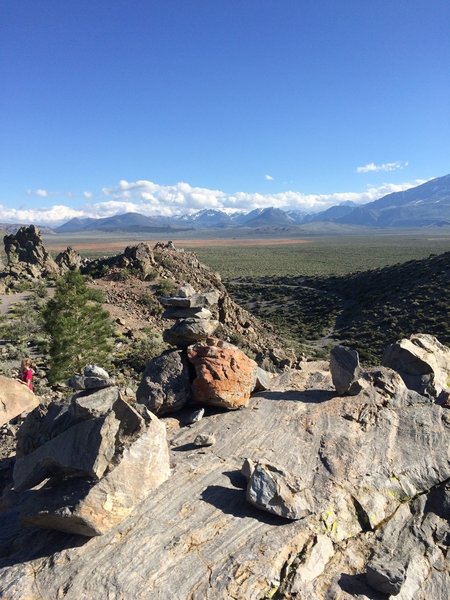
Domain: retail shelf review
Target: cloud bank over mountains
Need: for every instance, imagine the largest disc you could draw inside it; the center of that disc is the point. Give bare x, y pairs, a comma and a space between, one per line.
151, 199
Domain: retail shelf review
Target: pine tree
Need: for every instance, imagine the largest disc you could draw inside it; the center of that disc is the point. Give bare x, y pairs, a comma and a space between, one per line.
80, 330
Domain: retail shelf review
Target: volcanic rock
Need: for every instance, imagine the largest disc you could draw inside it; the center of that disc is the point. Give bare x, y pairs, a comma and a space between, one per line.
15, 399
68, 260
27, 255
165, 385
225, 376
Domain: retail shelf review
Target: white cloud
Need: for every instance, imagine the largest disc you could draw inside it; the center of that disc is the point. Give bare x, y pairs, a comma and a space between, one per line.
268, 177
151, 199
373, 168
39, 192
88, 195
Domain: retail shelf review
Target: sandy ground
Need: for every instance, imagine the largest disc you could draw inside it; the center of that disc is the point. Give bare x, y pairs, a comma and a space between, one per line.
8, 300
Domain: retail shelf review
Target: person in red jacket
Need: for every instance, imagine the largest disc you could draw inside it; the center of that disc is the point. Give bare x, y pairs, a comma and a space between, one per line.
26, 373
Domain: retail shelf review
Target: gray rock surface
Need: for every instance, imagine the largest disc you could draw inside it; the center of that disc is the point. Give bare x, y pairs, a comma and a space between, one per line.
376, 466
165, 385
344, 366
88, 405
422, 361
195, 301
91, 510
84, 449
68, 260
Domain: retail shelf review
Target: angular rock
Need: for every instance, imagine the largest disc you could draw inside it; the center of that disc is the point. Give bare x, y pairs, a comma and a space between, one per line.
15, 399
188, 331
186, 313
76, 382
195, 416
93, 510
344, 366
185, 291
225, 376
96, 383
130, 419
196, 301
273, 490
422, 361
165, 385
204, 439
95, 371
88, 405
386, 578
85, 449
264, 380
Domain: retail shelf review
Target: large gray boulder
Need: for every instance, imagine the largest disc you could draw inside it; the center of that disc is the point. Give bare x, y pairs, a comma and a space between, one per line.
85, 449
92, 509
422, 361
165, 386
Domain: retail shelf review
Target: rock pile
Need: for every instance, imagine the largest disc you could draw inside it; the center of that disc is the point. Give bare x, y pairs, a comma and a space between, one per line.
203, 369
192, 315
93, 459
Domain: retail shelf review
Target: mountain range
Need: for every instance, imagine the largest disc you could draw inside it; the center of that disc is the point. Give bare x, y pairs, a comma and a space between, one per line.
426, 205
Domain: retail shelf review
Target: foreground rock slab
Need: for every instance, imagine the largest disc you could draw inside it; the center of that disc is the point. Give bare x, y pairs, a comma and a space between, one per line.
365, 459
15, 399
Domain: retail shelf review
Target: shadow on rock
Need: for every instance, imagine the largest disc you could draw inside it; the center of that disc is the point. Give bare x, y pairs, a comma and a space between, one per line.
233, 502
308, 396
356, 585
18, 545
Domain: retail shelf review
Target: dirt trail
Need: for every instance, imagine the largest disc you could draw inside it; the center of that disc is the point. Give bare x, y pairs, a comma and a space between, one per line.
8, 300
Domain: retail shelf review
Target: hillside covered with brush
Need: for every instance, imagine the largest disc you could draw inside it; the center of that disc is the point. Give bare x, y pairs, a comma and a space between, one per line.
366, 310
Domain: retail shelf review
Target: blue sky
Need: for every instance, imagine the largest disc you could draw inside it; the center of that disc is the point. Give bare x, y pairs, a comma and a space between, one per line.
168, 106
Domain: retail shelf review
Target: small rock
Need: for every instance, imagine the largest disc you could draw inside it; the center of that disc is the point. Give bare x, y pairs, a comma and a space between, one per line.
95, 371
76, 382
247, 468
195, 416
204, 439
273, 490
185, 291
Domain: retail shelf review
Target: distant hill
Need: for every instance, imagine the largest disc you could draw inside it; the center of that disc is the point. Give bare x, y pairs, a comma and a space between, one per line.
131, 222
425, 205
13, 227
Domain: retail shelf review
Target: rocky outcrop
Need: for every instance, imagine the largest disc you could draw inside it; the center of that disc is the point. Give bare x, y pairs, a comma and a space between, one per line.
375, 467
15, 399
225, 376
423, 363
68, 260
27, 256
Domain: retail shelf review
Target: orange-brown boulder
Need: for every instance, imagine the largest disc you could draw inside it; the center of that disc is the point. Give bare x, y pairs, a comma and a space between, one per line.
15, 399
225, 376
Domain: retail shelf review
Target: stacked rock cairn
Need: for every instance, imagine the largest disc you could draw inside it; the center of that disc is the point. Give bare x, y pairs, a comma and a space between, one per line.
192, 315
